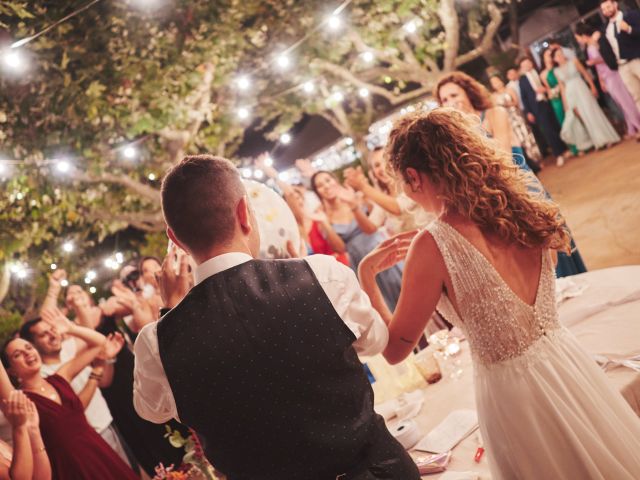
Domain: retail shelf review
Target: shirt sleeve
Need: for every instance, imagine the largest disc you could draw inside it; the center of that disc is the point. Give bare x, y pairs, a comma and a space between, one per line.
351, 303
152, 396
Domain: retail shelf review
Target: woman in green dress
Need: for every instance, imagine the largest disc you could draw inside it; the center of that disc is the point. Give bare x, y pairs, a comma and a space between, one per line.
548, 77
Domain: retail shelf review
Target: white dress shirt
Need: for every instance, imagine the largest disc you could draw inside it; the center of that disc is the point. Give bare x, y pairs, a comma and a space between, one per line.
515, 86
152, 396
614, 24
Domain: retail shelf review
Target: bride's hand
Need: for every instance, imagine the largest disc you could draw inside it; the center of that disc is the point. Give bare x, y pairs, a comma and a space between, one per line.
388, 253
349, 196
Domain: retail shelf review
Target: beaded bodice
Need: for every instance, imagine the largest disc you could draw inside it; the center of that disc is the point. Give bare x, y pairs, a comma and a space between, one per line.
498, 324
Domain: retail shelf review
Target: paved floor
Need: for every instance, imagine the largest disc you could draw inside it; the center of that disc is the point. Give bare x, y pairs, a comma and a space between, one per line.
599, 195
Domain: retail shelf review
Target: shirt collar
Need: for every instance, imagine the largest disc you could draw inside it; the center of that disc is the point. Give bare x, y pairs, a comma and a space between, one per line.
220, 263
619, 16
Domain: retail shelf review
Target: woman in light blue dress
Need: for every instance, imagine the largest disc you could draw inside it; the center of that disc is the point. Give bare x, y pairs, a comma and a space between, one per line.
590, 126
359, 233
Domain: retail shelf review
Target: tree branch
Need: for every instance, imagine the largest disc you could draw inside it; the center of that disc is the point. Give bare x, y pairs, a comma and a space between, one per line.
449, 20
139, 188
147, 222
487, 40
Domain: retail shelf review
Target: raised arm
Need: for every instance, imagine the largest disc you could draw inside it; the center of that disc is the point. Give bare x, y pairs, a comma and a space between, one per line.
422, 285
94, 342
500, 127
55, 287
355, 178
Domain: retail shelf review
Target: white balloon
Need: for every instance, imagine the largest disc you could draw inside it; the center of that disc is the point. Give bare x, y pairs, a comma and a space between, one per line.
276, 222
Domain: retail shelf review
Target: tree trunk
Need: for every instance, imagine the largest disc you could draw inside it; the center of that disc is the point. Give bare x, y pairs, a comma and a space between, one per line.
513, 23
5, 281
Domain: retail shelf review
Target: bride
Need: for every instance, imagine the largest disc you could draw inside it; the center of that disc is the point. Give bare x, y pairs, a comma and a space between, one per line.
546, 410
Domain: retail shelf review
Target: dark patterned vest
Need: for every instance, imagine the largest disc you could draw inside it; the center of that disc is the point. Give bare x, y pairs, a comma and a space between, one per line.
263, 368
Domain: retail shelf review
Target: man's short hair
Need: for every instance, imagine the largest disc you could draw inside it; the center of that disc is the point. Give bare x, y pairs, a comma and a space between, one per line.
523, 58
25, 329
199, 199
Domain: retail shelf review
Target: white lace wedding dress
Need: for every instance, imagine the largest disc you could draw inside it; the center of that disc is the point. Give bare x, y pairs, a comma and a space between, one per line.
546, 410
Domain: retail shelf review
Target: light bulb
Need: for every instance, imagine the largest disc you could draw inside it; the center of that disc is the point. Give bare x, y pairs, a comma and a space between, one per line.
285, 138
268, 161
247, 173
67, 247
64, 282
243, 113
13, 60
308, 87
368, 57
283, 62
130, 152
151, 176
334, 22
63, 166
410, 27
363, 92
243, 82
92, 289
53, 266
258, 174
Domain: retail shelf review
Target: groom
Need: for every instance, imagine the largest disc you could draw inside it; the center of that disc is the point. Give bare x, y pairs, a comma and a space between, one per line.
260, 356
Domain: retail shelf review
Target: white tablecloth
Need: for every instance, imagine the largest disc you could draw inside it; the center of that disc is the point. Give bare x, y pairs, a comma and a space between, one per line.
605, 318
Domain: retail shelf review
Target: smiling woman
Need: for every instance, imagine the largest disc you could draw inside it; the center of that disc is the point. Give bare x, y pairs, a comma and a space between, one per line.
84, 455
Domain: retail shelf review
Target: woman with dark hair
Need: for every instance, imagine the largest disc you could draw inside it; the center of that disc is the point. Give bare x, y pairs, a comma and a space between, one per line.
546, 410
75, 449
351, 222
462, 92
505, 97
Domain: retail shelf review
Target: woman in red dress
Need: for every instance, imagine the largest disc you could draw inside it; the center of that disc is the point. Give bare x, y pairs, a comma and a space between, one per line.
75, 449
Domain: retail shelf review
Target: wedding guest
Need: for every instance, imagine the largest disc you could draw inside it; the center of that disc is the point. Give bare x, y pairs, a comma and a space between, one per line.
623, 34
260, 357
514, 84
610, 80
27, 459
468, 96
351, 221
75, 449
490, 253
554, 91
581, 99
459, 90
48, 342
316, 232
505, 97
397, 212
537, 109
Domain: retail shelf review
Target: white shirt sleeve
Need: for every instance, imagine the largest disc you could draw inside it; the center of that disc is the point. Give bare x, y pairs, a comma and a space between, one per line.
152, 396
351, 303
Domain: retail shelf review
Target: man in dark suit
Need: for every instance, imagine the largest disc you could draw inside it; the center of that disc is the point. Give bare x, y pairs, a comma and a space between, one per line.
537, 108
260, 357
622, 32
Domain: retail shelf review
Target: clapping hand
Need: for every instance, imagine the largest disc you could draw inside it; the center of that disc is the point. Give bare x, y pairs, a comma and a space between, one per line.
54, 317
19, 410
141, 310
174, 286
355, 178
388, 253
349, 196
112, 346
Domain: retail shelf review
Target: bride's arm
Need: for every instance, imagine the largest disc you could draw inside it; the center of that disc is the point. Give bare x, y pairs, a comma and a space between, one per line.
422, 285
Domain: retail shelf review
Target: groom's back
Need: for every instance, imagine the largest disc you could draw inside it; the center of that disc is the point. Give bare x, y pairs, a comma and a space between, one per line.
262, 367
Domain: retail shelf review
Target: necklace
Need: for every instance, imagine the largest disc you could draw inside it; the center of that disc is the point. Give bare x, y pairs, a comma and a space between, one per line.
51, 396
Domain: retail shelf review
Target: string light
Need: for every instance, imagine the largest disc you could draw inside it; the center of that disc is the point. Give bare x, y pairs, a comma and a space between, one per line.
338, 97
368, 57
151, 176
334, 22
285, 138
258, 174
363, 92
91, 274
130, 152
67, 247
349, 141
63, 166
247, 173
14, 61
119, 258
53, 266
308, 87
243, 82
92, 289
283, 61
410, 27
87, 280
268, 161
284, 176
19, 196
111, 263
64, 283
243, 113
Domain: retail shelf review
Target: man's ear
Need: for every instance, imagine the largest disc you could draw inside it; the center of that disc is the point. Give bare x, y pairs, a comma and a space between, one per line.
243, 215
172, 237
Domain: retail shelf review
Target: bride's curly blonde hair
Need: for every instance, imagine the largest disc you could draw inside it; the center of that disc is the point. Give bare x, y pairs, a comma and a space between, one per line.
475, 177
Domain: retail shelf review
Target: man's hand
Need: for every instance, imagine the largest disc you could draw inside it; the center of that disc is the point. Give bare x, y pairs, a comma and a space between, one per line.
112, 346
174, 286
531, 118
